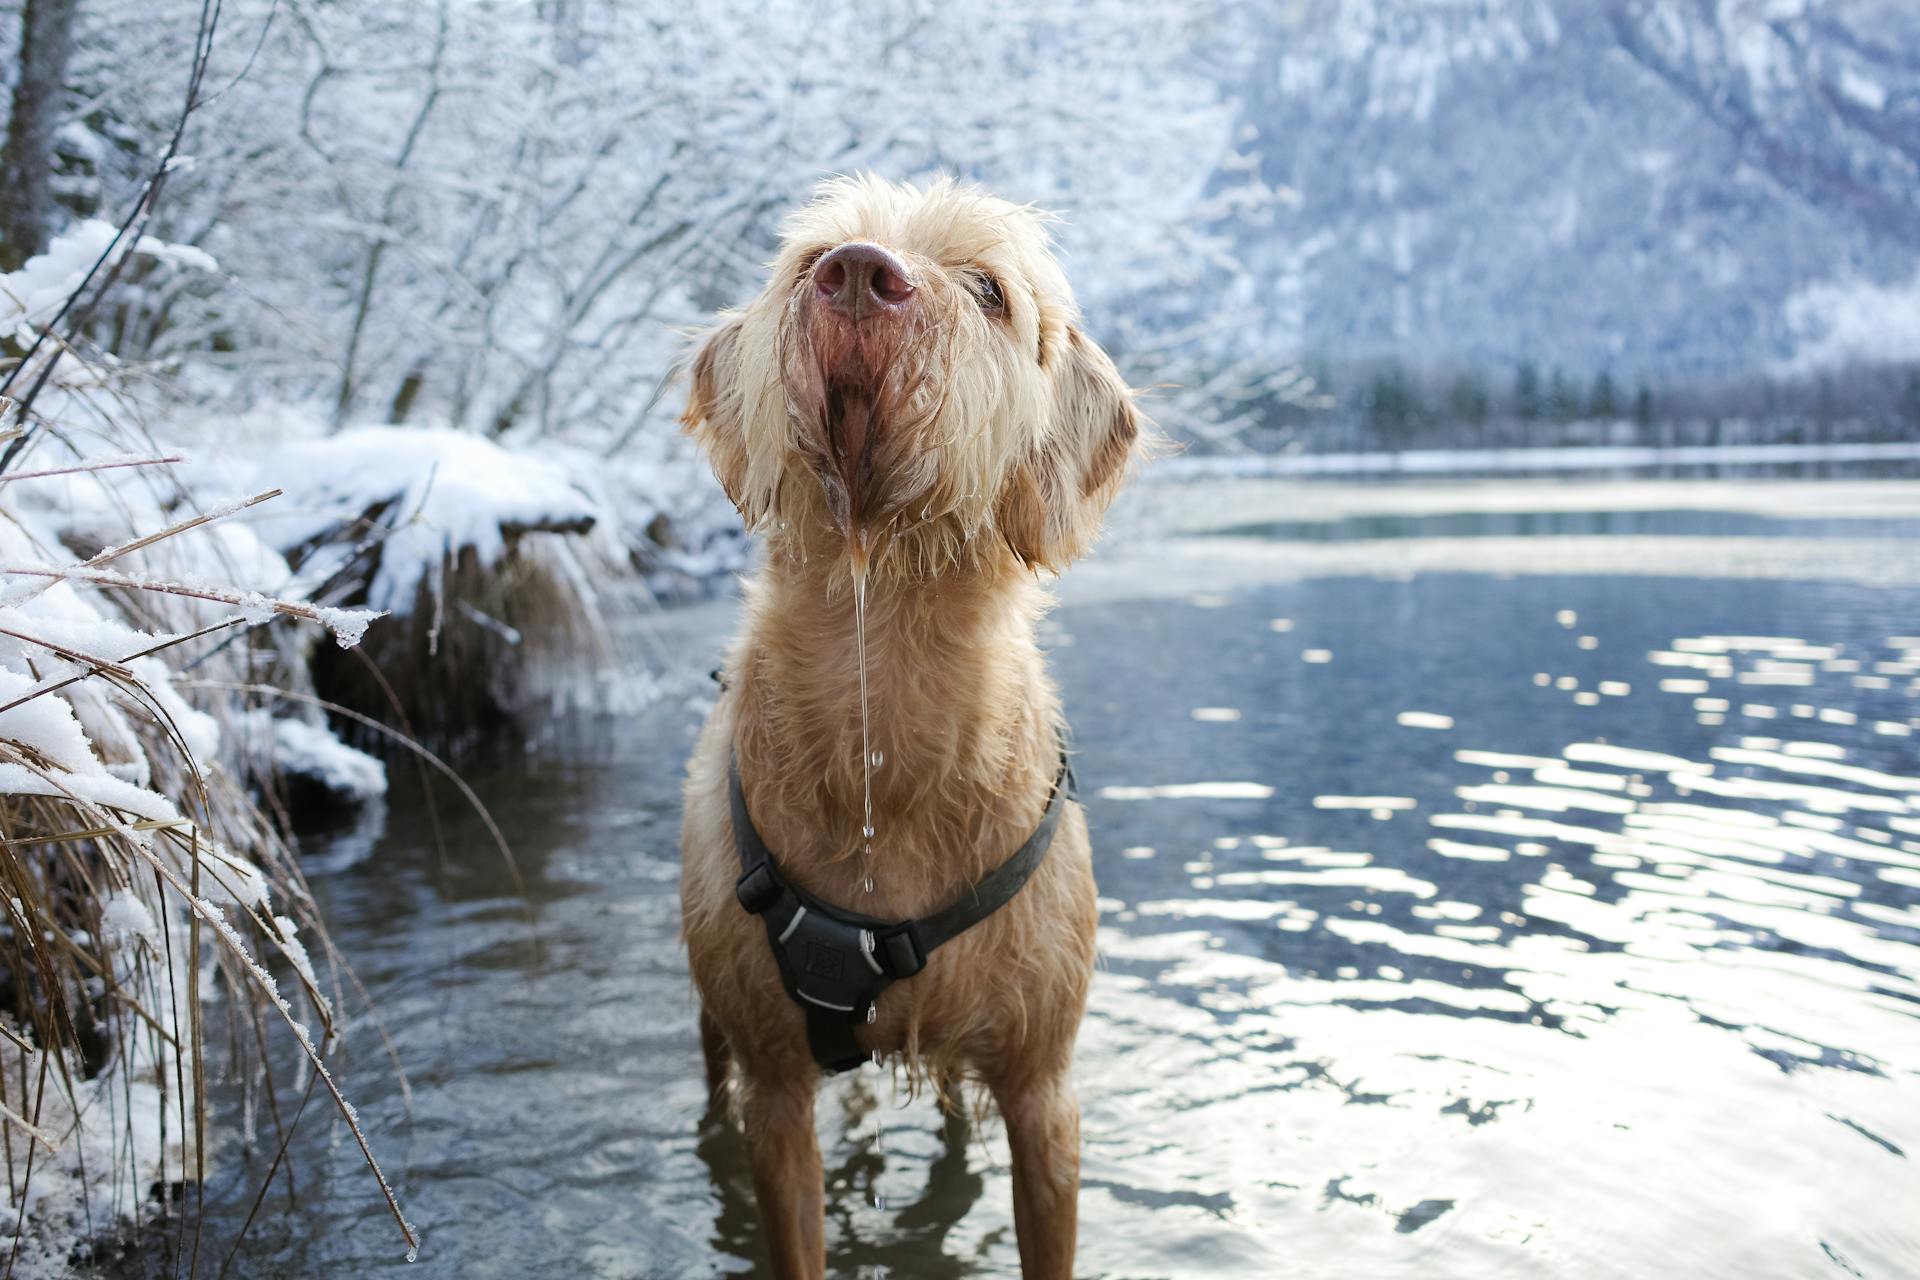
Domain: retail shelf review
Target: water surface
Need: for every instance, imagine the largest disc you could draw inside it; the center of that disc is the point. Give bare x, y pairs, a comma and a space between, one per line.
1497, 911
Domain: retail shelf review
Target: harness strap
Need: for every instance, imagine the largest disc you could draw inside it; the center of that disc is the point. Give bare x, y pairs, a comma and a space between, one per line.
834, 963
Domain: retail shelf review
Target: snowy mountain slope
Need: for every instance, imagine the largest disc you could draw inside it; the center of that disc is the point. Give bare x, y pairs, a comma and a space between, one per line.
1679, 187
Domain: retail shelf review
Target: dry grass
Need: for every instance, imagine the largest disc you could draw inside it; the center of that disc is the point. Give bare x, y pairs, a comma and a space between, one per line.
138, 871
140, 876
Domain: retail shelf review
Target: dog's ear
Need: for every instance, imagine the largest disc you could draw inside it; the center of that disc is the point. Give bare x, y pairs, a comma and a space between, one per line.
1051, 508
715, 413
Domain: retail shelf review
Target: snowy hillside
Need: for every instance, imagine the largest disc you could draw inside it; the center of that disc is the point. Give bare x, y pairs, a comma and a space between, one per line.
1675, 187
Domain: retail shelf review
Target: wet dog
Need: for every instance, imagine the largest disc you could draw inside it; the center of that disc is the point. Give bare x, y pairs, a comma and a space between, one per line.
911, 418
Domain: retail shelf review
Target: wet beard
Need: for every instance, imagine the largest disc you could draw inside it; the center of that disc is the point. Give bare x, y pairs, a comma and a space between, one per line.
850, 431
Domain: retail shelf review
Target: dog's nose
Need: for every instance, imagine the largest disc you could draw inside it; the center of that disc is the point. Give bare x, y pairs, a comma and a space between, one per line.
860, 279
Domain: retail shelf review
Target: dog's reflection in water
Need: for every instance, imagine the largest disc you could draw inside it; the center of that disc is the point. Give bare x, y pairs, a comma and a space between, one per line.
917, 1245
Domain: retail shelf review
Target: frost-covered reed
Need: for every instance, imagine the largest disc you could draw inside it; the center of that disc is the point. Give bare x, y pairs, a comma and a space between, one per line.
149, 903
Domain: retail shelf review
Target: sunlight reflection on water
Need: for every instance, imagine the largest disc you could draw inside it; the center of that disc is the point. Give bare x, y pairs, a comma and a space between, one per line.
1668, 996
1478, 950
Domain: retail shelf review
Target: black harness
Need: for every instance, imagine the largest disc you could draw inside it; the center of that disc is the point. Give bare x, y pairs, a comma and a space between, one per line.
834, 962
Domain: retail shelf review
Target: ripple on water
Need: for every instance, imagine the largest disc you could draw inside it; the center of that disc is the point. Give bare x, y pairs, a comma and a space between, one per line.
1649, 981
1616, 991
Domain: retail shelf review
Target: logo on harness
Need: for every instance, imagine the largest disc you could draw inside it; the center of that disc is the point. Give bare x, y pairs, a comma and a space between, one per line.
825, 962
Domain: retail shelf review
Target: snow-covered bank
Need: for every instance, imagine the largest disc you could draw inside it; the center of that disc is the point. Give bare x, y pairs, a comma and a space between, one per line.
1590, 458
142, 872
139, 867
426, 496
503, 563
1170, 504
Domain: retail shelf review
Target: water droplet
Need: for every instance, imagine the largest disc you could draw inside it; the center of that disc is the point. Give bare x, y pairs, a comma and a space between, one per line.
413, 1253
867, 754
873, 1013
879, 758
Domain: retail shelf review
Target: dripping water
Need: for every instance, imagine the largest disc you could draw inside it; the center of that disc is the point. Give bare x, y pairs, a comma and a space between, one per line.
870, 760
868, 756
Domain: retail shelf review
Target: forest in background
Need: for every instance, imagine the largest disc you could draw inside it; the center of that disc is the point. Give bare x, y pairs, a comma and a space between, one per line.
1360, 406
504, 218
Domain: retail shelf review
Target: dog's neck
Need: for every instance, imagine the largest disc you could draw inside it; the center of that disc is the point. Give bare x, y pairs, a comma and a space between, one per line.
959, 709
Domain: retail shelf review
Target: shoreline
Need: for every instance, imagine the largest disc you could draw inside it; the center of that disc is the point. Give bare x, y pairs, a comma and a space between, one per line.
1567, 458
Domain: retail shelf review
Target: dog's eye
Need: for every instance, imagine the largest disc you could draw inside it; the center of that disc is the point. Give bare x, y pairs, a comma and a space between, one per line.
986, 291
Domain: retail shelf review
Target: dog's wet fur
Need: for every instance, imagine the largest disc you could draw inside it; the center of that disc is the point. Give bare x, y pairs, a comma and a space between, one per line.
958, 434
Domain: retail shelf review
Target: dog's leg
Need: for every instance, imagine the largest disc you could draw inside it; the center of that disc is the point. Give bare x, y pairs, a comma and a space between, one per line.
787, 1178
719, 1057
1043, 1130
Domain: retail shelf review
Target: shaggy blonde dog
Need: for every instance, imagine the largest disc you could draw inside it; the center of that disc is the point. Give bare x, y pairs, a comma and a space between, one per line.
910, 402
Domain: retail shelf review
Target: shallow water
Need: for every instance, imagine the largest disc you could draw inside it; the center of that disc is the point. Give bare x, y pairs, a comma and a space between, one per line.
1490, 923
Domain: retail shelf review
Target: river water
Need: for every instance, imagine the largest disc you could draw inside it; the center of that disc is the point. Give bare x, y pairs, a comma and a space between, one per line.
1499, 881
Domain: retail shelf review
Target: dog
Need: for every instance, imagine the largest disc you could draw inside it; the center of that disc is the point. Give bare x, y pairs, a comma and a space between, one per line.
911, 417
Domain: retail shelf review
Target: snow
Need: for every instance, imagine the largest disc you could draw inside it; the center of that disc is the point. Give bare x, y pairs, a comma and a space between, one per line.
1593, 458
199, 731
71, 737
445, 492
75, 139
108, 1154
126, 917
33, 295
349, 626
109, 1129
296, 953
1863, 89
44, 725
312, 751
94, 787
179, 255
1840, 320
1760, 54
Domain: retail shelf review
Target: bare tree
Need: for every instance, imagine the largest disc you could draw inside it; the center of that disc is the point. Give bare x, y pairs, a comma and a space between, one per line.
26, 166
499, 217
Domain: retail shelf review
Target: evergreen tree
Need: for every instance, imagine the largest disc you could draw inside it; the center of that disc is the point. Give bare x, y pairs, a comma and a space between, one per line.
27, 208
1320, 375
1468, 401
1825, 410
1601, 403
1643, 407
1563, 402
1392, 405
1910, 400
1526, 392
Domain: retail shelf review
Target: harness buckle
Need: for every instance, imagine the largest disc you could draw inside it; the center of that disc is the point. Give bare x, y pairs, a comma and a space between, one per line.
757, 889
829, 962
905, 955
